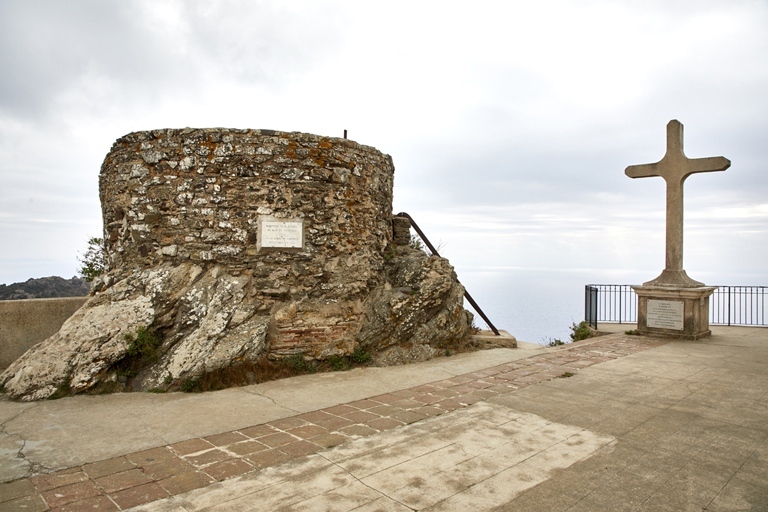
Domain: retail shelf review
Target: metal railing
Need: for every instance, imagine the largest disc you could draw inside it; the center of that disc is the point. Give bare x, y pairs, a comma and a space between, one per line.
434, 251
613, 303
728, 305
738, 305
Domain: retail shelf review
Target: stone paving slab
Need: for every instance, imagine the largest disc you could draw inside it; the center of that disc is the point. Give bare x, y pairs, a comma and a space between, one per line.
681, 427
149, 475
39, 437
470, 450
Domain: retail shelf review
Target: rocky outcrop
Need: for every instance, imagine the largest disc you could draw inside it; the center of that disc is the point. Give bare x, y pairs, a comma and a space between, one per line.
418, 313
202, 317
207, 319
184, 212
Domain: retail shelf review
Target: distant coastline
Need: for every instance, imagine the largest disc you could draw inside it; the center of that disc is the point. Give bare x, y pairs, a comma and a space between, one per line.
45, 288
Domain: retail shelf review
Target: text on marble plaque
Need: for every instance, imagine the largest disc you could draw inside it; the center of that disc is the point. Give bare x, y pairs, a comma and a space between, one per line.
665, 314
280, 233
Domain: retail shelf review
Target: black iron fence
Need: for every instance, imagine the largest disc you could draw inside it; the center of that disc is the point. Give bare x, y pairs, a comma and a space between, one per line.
738, 305
613, 303
728, 305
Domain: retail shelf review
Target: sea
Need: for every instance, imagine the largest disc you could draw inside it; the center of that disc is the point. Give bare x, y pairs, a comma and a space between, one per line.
540, 305
533, 305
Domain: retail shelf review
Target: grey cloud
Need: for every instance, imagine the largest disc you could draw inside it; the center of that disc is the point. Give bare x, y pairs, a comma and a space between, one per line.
48, 47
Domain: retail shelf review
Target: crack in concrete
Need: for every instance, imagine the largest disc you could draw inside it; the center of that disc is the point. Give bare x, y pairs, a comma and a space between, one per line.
273, 401
366, 485
32, 466
31, 406
735, 473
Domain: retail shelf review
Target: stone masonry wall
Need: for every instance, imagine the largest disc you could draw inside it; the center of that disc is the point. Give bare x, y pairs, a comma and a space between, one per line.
196, 195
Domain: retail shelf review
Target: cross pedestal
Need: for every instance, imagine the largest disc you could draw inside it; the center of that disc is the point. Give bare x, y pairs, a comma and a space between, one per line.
681, 313
673, 304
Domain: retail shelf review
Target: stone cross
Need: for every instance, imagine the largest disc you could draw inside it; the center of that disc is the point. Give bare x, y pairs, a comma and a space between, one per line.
674, 168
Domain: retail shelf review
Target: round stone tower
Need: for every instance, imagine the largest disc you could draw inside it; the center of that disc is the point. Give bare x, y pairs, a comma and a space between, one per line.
293, 206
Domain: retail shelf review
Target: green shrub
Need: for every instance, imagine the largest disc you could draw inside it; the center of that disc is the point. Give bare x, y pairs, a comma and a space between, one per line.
339, 363
63, 389
192, 385
553, 343
94, 261
416, 243
143, 344
360, 355
299, 364
143, 347
580, 332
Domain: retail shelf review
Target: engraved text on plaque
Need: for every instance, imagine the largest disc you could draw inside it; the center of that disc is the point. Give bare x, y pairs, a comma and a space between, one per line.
665, 314
280, 233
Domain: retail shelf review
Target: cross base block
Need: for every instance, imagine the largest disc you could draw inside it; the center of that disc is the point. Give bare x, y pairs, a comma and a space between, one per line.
680, 313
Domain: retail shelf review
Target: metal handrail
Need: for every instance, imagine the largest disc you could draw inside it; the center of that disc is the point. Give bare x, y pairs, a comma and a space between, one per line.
434, 251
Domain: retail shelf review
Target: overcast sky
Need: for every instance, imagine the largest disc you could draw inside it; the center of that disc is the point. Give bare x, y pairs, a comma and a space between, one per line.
510, 123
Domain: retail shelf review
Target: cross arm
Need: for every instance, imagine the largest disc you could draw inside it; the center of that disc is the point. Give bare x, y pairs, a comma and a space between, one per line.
682, 168
643, 171
711, 164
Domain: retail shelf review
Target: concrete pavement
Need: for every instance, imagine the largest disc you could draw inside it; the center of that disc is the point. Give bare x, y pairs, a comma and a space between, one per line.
613, 423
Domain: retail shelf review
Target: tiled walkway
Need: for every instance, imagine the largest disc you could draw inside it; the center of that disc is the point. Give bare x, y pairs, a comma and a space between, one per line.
137, 478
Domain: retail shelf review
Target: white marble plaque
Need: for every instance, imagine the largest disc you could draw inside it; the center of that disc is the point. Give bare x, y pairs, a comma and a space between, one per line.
281, 233
665, 314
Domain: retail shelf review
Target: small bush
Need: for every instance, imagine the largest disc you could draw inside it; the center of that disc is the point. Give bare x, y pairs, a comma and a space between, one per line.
298, 363
143, 348
360, 356
580, 332
339, 363
94, 261
193, 385
553, 343
416, 243
143, 344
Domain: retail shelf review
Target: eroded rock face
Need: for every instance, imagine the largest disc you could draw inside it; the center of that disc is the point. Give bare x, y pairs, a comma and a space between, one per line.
208, 320
182, 210
418, 313
205, 318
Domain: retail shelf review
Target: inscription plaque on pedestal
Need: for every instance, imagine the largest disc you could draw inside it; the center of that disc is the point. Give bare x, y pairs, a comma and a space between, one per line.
665, 314
280, 234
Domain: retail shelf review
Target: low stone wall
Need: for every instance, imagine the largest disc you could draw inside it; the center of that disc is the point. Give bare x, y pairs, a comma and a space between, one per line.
25, 323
